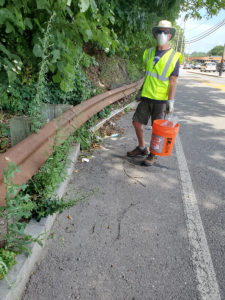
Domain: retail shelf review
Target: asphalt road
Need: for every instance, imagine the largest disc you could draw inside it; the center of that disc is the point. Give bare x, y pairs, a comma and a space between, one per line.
134, 238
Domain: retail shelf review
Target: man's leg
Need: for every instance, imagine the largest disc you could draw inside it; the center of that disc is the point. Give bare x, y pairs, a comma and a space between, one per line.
158, 112
141, 116
139, 133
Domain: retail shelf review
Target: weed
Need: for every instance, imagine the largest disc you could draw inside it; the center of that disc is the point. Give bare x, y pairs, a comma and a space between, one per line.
18, 206
35, 106
83, 137
52, 173
127, 109
4, 134
49, 206
7, 261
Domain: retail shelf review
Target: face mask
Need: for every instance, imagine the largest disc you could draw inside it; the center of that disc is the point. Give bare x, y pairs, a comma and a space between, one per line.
162, 39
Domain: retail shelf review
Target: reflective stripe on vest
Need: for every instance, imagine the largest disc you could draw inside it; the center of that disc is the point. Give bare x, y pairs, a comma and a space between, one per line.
165, 70
147, 58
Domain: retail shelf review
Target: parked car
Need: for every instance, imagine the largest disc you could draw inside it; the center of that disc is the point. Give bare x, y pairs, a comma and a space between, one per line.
187, 66
208, 67
218, 67
197, 66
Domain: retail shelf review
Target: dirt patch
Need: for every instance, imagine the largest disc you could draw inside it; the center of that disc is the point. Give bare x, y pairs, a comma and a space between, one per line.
110, 72
5, 140
110, 129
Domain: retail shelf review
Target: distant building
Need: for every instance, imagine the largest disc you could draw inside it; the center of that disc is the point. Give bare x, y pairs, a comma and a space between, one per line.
202, 59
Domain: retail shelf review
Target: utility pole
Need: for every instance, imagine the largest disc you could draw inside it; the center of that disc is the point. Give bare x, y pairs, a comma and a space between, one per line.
222, 62
184, 39
181, 46
178, 38
183, 42
188, 51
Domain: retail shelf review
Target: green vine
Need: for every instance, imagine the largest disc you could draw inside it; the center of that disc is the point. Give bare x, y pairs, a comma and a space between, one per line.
36, 103
18, 208
7, 261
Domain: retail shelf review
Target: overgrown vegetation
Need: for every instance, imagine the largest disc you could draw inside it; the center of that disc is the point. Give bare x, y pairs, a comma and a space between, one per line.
42, 185
4, 133
18, 207
7, 261
56, 32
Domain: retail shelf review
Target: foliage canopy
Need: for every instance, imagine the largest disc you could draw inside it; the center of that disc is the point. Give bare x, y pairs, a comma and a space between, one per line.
216, 51
112, 26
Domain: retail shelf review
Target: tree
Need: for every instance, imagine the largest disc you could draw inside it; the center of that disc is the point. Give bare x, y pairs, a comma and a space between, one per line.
195, 53
193, 7
216, 51
122, 26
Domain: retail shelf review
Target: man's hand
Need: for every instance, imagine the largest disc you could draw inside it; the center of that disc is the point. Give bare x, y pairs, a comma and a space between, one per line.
170, 106
171, 94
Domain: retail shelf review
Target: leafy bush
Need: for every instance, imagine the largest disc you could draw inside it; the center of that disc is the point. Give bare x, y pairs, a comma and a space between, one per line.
18, 206
49, 206
23, 27
4, 133
105, 112
82, 90
44, 182
133, 70
17, 97
7, 261
83, 137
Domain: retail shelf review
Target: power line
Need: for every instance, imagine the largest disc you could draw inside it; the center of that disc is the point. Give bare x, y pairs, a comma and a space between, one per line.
208, 30
206, 33
203, 36
193, 29
205, 22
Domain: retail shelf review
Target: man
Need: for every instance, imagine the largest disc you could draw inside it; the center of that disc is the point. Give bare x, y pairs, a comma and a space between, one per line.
157, 96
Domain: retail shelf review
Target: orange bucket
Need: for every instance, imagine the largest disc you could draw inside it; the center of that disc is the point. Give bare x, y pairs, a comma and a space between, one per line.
163, 138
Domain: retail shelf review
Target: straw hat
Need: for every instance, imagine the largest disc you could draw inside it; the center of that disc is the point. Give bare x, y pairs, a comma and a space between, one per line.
164, 24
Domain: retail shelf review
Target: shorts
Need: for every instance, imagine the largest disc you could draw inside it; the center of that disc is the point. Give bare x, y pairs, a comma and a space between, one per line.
147, 109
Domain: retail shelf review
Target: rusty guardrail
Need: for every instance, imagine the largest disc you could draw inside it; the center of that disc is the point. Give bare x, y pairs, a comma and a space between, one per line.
33, 151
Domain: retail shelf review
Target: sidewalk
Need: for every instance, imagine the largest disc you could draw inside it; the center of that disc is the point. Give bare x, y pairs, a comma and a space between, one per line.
128, 241
207, 74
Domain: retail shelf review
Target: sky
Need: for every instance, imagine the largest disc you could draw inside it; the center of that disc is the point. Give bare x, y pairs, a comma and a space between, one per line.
194, 28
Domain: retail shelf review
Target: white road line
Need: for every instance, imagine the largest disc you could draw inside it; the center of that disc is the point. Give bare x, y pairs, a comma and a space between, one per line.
206, 278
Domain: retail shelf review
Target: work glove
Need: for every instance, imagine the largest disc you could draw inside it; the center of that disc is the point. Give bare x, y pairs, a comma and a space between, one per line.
170, 106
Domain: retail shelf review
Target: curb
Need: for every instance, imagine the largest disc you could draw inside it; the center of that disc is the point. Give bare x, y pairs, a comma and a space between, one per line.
20, 273
202, 73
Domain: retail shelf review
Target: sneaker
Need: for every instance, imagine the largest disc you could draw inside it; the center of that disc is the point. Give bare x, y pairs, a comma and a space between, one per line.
150, 160
137, 151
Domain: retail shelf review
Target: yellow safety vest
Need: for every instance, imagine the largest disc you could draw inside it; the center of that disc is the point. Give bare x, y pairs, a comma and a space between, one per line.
156, 82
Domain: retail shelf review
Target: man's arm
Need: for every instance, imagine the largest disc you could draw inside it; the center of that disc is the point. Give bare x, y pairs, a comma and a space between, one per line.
172, 87
171, 94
